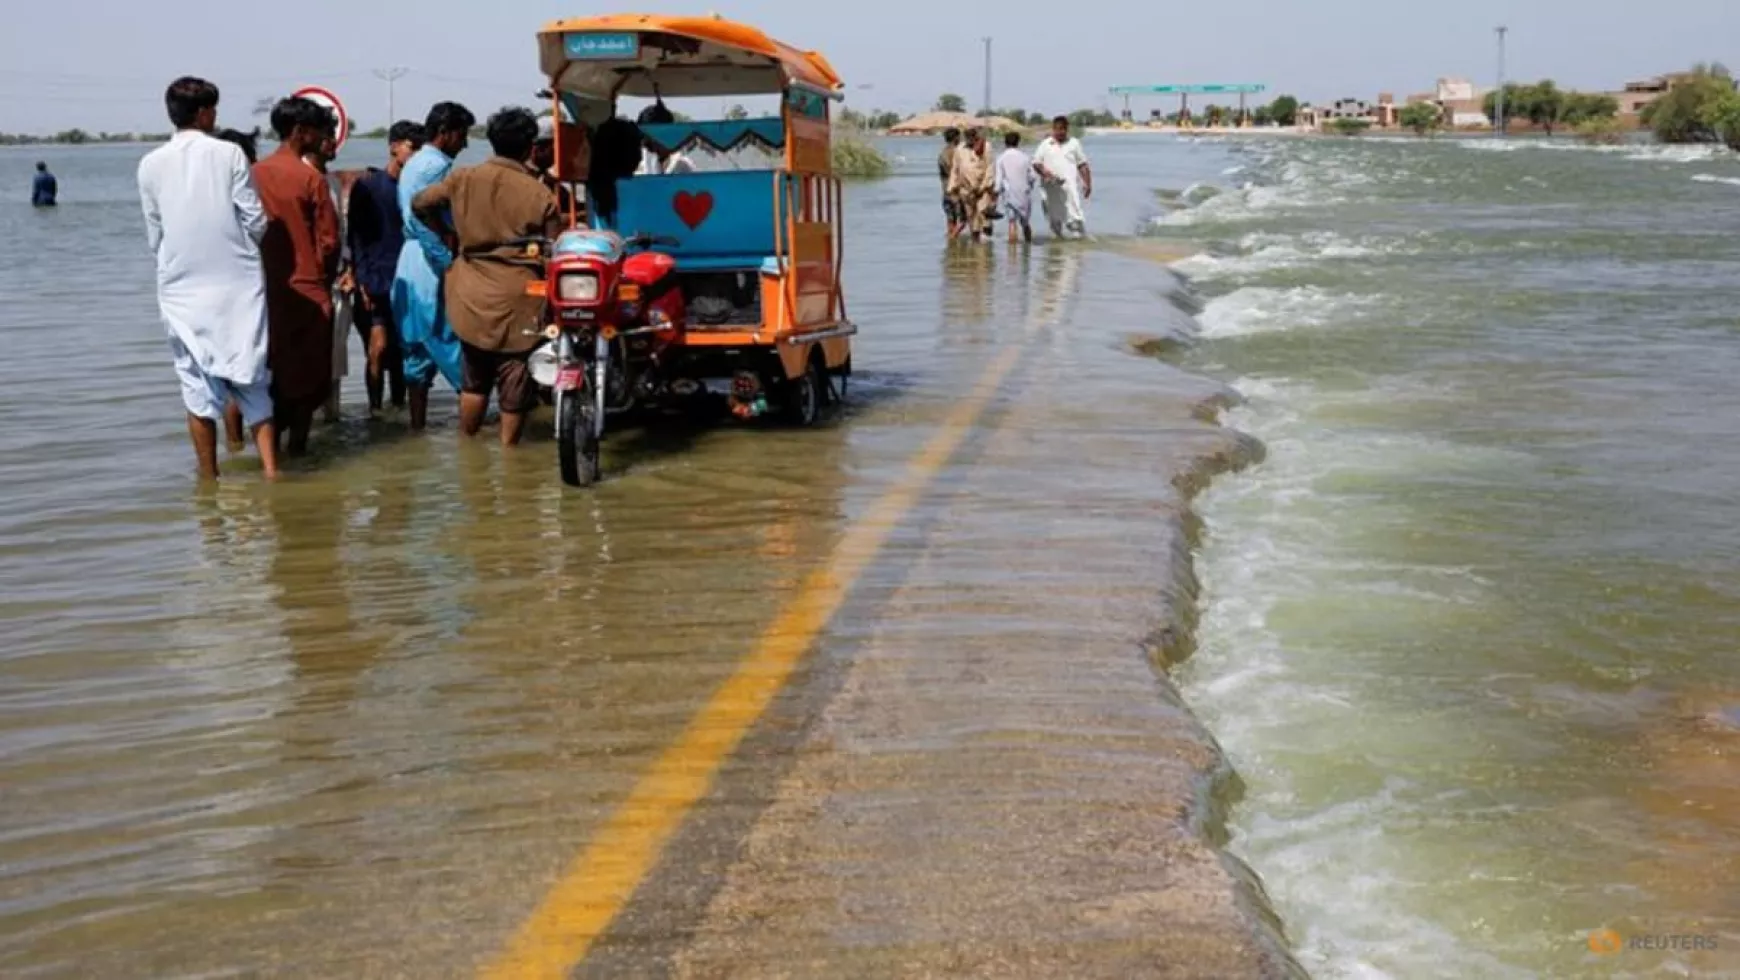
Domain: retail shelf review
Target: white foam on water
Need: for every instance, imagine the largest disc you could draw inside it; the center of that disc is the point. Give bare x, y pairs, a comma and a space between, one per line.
1262, 252
1715, 179
1291, 712
1269, 309
1642, 152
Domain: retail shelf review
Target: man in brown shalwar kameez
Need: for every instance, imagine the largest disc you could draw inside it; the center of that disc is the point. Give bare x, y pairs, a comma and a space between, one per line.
973, 185
497, 323
300, 254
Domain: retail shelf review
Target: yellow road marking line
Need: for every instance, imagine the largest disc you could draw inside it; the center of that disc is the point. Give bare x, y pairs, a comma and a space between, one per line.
602, 878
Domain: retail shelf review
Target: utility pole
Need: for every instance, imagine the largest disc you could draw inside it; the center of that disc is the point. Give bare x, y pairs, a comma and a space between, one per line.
391, 75
1498, 114
987, 109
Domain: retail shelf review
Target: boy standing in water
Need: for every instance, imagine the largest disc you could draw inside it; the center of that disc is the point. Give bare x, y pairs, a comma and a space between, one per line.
204, 223
1015, 180
43, 188
376, 236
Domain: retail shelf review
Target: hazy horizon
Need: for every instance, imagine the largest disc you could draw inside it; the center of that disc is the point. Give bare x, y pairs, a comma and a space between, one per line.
899, 55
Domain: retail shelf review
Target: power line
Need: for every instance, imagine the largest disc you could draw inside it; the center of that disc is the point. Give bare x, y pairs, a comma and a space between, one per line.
391, 75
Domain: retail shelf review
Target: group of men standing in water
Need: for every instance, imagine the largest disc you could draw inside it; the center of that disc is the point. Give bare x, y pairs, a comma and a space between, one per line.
254, 256
977, 190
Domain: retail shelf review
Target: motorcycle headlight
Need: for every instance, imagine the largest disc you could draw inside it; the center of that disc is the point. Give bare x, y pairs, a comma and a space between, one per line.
577, 287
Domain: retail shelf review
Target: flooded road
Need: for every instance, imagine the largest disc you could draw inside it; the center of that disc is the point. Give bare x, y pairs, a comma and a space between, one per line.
896, 696
419, 710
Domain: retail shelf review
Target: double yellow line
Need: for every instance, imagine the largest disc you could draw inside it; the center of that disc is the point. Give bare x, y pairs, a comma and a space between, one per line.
604, 876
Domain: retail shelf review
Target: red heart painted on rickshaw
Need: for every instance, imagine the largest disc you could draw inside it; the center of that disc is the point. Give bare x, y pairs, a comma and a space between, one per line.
692, 208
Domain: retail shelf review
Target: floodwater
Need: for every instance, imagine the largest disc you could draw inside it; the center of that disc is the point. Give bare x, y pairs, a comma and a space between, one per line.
1465, 626
358, 722
1470, 632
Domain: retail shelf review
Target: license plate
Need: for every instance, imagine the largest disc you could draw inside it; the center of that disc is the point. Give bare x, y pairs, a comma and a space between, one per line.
570, 378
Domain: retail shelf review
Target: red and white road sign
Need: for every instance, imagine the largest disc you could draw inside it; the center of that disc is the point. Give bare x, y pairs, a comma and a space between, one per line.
315, 93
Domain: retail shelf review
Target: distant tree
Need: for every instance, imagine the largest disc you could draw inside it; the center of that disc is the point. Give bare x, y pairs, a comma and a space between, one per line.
1214, 114
1722, 114
1084, 118
736, 112
73, 136
1421, 117
1543, 104
950, 102
1284, 110
1516, 102
884, 120
1349, 126
1686, 113
1586, 107
1262, 116
1603, 130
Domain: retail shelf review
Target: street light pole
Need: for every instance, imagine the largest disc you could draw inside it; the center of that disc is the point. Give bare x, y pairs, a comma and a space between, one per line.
1498, 120
987, 76
390, 75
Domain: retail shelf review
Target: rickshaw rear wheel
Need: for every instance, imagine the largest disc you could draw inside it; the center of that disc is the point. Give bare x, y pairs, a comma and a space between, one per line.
804, 395
576, 445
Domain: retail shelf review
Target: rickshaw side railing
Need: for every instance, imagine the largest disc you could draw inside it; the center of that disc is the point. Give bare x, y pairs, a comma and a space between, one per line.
805, 201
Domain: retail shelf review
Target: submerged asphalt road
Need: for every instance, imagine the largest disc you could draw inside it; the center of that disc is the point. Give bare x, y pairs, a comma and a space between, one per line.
880, 697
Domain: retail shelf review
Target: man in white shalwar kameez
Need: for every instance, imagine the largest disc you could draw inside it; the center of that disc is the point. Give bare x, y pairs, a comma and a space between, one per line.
204, 222
1066, 178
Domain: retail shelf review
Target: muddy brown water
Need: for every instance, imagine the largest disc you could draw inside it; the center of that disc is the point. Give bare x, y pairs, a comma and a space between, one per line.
357, 722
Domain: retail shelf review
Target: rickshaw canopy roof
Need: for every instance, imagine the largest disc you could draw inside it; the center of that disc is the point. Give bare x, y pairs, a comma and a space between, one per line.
649, 54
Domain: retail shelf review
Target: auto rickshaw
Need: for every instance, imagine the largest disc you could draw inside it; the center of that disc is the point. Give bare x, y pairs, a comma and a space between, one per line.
753, 253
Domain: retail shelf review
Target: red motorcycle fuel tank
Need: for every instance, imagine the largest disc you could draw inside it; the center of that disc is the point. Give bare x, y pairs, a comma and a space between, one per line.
655, 274
646, 269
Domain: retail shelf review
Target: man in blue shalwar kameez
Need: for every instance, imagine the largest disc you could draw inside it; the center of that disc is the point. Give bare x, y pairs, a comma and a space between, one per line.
425, 337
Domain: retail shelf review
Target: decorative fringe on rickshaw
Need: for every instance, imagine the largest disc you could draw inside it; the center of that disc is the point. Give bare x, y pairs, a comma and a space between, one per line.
722, 136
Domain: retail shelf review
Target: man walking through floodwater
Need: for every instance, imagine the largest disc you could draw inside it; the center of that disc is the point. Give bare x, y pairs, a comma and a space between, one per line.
204, 222
43, 187
425, 337
973, 186
494, 204
945, 169
300, 253
1067, 179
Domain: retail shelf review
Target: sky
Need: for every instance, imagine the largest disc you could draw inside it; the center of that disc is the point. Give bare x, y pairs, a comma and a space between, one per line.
104, 64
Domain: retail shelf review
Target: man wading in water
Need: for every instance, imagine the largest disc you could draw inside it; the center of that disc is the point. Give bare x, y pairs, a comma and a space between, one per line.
494, 204
425, 338
376, 236
204, 223
1068, 181
301, 253
945, 170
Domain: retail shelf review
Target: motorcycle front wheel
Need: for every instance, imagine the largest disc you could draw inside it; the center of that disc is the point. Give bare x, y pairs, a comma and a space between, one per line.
576, 439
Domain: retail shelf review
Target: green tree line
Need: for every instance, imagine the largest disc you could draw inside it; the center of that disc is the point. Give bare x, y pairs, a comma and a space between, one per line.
79, 137
1546, 105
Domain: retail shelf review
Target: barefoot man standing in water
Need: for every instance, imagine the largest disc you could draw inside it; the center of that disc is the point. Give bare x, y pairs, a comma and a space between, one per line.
1068, 180
204, 223
300, 253
425, 337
